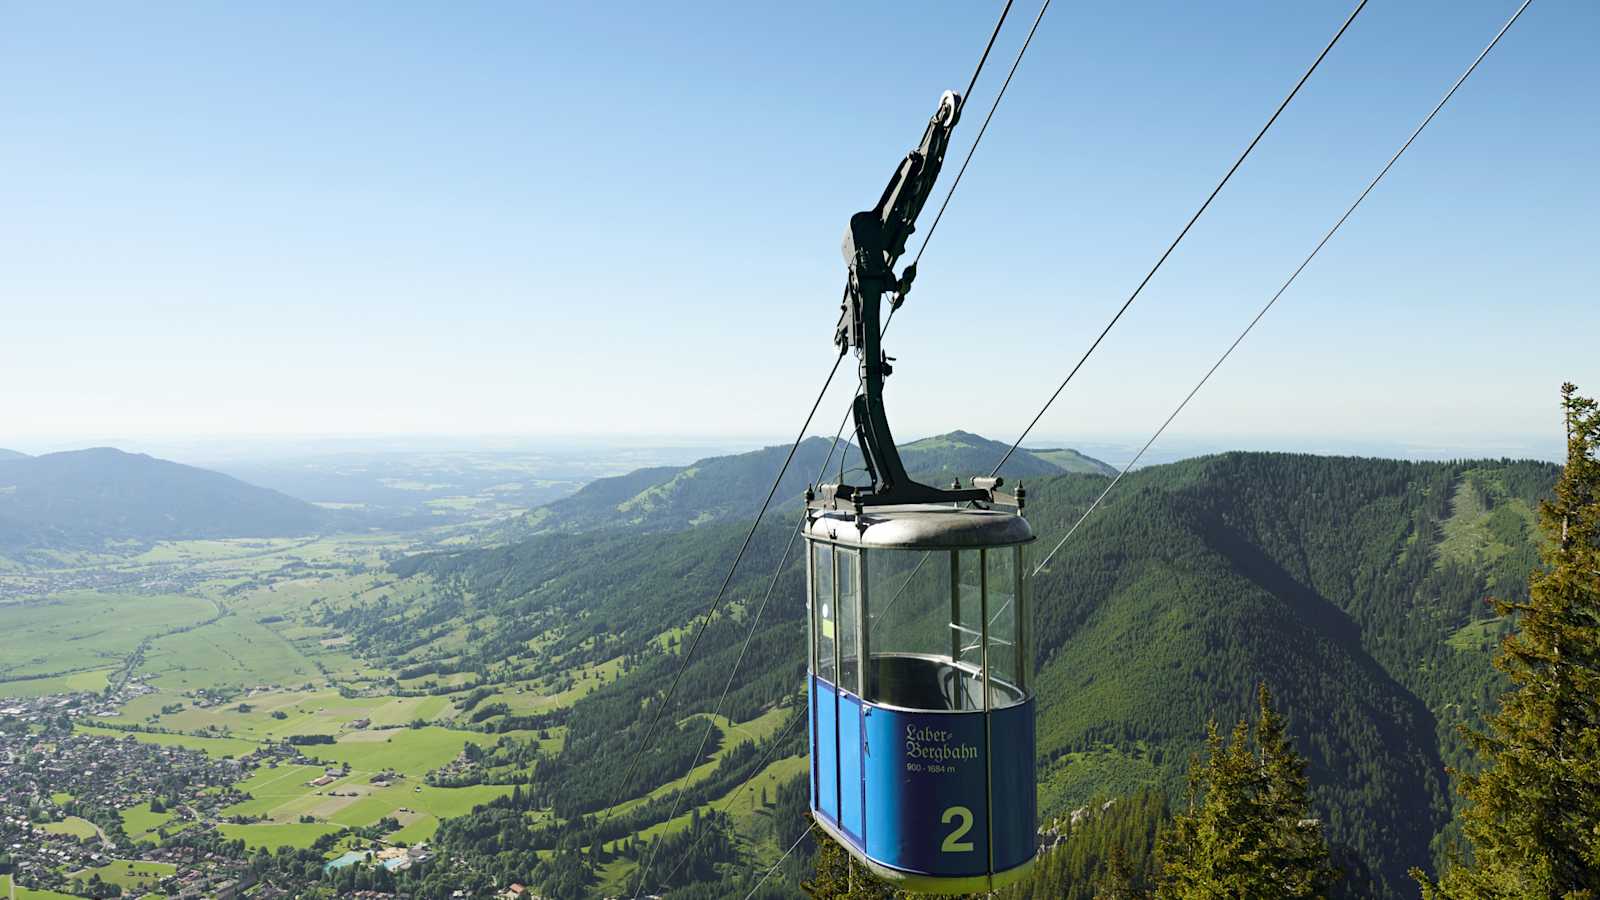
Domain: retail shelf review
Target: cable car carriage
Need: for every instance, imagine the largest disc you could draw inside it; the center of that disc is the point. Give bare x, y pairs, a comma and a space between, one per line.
921, 711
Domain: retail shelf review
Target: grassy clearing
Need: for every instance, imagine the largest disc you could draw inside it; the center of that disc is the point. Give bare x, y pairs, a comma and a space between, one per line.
285, 794
91, 630
528, 697
1082, 776
72, 825
412, 751
213, 550
91, 680
1478, 636
218, 747
743, 805
317, 711
131, 875
733, 735
139, 821
273, 836
1474, 534
233, 652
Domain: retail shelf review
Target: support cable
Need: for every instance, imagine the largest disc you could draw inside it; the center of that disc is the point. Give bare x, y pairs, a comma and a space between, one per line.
1296, 274
1181, 234
985, 127
984, 57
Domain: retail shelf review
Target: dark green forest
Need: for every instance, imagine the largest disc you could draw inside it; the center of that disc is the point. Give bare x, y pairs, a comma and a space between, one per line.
1355, 588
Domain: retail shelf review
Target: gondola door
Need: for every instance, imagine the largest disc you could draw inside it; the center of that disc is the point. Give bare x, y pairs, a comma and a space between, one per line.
837, 651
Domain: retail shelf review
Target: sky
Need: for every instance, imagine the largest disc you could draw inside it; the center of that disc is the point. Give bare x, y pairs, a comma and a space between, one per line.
225, 221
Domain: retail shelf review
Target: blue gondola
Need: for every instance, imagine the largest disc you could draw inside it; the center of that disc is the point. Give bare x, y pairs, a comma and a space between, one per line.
922, 759
921, 711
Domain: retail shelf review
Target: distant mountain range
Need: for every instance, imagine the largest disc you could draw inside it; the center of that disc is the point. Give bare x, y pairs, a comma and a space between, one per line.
11, 454
671, 498
84, 499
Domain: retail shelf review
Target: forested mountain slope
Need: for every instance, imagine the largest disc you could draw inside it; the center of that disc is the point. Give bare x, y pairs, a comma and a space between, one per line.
1353, 587
673, 498
84, 498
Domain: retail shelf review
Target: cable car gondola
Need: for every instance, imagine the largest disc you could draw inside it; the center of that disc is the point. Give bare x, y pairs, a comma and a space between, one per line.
921, 711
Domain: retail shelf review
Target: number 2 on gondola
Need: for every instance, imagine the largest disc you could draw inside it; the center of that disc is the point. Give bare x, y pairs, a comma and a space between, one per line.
953, 842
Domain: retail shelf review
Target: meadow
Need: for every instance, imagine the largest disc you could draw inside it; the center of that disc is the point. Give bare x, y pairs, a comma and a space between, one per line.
78, 631
133, 877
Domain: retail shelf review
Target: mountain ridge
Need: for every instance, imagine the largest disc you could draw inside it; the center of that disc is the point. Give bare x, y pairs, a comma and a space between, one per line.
673, 498
86, 498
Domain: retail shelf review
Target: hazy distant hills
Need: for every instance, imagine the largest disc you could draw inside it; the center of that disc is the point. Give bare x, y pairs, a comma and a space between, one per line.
6, 455
672, 498
1354, 587
84, 498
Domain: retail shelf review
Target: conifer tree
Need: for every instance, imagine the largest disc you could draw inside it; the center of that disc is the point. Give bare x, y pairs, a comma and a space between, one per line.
838, 878
1247, 830
1532, 817
1117, 882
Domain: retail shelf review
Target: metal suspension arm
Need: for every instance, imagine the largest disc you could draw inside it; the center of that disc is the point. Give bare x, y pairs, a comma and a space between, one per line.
873, 243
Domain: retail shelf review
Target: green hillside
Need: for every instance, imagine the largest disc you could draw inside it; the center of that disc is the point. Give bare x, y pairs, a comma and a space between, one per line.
1354, 587
85, 498
1073, 461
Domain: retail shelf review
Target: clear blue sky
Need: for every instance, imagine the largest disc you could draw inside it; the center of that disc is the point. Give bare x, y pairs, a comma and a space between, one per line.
617, 219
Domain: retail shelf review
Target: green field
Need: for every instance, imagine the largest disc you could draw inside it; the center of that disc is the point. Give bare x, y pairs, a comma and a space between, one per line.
412, 751
133, 877
79, 631
234, 651
218, 747
139, 822
318, 711
274, 836
79, 828
284, 794
87, 680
